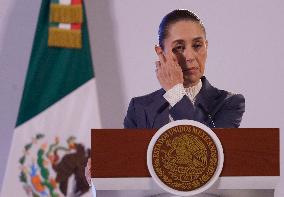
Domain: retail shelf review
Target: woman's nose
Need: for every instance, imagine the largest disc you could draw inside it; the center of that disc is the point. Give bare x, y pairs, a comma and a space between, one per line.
189, 55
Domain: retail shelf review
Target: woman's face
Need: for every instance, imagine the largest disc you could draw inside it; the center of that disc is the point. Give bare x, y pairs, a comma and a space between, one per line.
187, 41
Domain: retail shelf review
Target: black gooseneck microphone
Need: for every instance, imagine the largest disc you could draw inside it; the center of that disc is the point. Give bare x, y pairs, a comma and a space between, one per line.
208, 115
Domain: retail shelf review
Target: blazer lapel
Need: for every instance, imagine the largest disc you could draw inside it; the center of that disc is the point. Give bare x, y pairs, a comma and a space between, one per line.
207, 97
157, 112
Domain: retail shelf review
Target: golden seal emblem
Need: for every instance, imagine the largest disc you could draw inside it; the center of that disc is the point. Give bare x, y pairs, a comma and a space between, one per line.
184, 157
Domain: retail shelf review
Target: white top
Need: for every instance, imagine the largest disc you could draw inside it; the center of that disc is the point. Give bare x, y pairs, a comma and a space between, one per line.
175, 94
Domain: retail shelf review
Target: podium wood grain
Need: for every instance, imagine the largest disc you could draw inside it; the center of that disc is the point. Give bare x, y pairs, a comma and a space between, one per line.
123, 152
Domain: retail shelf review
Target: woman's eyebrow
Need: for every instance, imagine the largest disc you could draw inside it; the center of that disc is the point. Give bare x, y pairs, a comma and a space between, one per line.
197, 38
179, 41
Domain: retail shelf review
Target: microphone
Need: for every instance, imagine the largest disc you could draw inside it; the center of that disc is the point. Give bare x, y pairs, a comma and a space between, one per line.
163, 107
208, 115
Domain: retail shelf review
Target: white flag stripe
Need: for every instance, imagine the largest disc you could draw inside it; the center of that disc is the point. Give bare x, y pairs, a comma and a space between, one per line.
65, 2
64, 25
80, 106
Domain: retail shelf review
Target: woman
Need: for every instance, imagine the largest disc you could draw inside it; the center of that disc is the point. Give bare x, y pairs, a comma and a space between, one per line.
185, 92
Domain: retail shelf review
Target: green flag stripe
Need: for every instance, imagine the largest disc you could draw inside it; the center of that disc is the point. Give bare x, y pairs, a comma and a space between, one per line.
53, 24
53, 72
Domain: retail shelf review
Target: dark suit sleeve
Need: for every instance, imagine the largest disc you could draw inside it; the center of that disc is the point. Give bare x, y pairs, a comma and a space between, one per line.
230, 114
130, 118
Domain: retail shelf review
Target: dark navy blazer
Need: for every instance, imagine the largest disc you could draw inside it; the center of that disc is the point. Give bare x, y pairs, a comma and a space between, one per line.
213, 107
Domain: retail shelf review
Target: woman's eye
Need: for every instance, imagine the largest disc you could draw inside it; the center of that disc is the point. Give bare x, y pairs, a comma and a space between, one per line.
179, 49
197, 46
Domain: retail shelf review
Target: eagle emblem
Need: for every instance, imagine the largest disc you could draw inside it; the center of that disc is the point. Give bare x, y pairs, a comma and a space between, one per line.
184, 157
54, 169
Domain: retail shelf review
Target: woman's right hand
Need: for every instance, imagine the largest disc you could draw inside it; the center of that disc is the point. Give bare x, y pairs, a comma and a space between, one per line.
88, 172
168, 70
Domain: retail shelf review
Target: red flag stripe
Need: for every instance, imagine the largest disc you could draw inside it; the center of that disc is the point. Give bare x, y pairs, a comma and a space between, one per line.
76, 26
74, 2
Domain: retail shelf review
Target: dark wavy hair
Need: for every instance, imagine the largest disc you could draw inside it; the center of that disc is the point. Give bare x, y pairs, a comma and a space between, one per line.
173, 17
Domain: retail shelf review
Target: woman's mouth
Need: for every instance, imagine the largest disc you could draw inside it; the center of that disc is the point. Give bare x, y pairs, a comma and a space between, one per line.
191, 70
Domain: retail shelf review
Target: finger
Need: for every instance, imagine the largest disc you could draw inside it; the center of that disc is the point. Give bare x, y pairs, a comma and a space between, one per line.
160, 54
88, 175
164, 73
159, 74
172, 61
174, 57
89, 163
171, 56
158, 64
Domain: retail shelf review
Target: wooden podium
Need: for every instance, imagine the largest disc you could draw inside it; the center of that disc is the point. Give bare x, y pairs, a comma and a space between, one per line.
251, 160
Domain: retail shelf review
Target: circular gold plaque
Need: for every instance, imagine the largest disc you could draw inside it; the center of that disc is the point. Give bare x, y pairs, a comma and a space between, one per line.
185, 157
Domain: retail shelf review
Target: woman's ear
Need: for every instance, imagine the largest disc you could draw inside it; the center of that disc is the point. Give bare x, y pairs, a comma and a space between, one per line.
206, 43
158, 49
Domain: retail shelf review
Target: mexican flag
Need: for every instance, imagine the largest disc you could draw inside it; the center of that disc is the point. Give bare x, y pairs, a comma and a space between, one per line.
51, 142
